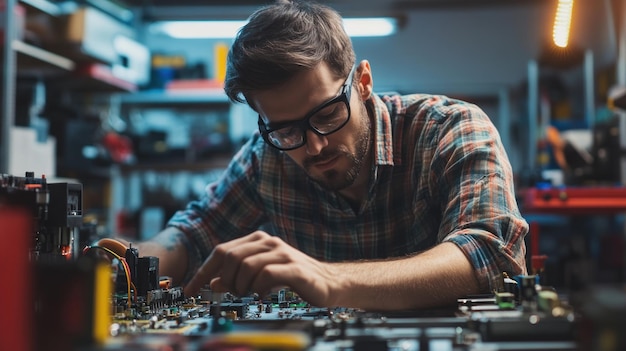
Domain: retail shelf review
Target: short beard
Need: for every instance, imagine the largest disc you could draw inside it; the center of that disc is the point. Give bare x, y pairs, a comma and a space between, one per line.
332, 179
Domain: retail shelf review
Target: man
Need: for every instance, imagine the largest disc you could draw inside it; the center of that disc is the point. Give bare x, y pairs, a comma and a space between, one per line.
373, 202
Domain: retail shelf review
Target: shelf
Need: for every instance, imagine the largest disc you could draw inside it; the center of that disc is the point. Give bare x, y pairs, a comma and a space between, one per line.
34, 60
92, 78
183, 97
100, 77
44, 6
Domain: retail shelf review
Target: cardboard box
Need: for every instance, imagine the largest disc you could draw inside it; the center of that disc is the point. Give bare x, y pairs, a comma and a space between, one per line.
91, 33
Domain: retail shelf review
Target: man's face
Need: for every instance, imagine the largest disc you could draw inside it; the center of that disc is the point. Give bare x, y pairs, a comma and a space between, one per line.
333, 160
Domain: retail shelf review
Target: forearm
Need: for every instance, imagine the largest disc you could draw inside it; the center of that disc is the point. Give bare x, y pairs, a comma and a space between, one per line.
433, 278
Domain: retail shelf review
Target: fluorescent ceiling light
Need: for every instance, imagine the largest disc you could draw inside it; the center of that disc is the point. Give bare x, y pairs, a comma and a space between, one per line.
370, 27
355, 27
198, 29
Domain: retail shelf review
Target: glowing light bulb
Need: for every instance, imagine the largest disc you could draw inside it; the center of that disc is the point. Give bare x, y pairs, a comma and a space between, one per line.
562, 23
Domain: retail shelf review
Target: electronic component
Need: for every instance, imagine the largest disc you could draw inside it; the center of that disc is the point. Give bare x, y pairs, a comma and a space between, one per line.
56, 209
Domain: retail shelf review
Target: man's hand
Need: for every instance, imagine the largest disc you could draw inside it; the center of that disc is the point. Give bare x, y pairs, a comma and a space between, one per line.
259, 263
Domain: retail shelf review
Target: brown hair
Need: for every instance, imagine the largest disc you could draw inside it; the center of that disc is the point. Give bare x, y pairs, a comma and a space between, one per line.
283, 39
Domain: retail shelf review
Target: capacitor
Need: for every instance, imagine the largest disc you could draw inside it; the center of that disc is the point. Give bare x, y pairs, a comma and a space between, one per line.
511, 286
528, 291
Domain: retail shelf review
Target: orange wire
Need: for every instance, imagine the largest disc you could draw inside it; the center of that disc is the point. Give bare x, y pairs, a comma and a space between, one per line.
124, 266
114, 245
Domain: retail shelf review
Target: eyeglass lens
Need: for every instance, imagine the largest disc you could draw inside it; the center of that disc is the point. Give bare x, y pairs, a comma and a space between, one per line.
325, 121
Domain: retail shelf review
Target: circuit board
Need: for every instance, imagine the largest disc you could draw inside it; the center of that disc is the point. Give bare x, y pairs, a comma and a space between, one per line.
475, 323
109, 297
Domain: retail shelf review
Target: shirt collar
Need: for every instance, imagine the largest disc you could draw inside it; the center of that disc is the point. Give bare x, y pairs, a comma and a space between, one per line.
382, 130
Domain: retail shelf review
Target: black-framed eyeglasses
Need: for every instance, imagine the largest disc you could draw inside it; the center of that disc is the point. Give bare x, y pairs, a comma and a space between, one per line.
325, 119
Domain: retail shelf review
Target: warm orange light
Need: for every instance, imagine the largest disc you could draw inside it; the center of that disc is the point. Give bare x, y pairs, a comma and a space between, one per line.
562, 22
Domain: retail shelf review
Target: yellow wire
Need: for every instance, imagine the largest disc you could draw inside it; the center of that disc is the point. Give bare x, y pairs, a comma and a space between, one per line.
134, 291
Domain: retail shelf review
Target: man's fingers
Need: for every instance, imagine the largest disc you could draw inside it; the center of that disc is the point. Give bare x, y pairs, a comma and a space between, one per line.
241, 263
253, 266
193, 287
214, 264
203, 276
218, 286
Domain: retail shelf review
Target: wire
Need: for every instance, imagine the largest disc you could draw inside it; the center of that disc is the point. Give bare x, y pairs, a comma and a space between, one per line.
124, 266
134, 291
115, 245
119, 248
128, 280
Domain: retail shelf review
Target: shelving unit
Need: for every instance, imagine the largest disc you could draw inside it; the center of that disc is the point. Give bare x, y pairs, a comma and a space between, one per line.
128, 181
21, 59
67, 74
190, 105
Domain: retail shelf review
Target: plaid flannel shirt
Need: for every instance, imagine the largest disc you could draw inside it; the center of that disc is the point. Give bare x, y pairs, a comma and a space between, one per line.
440, 174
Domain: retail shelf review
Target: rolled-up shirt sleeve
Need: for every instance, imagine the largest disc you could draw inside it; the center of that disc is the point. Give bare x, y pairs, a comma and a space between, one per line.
472, 177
